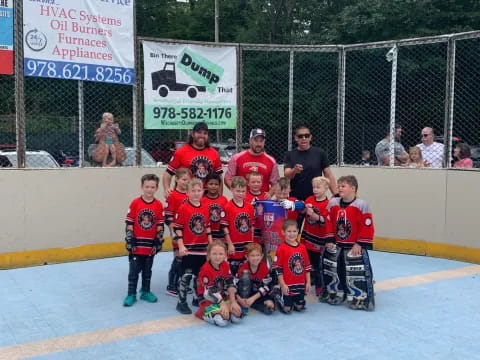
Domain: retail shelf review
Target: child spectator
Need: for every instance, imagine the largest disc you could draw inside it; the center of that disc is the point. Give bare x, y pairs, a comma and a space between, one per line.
144, 238
216, 289
215, 203
316, 228
108, 144
365, 160
416, 159
346, 265
254, 282
193, 235
176, 198
292, 268
237, 223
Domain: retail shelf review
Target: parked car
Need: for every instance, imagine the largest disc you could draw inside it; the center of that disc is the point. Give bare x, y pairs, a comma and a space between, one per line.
147, 159
225, 150
66, 159
33, 159
164, 151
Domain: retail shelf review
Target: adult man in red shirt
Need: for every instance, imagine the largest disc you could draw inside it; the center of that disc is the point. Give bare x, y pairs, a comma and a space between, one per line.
197, 156
254, 159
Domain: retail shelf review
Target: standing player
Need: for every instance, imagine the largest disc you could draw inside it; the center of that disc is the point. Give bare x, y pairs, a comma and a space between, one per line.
216, 289
289, 203
292, 268
254, 194
316, 228
346, 265
216, 205
253, 159
238, 224
176, 198
144, 238
197, 156
193, 235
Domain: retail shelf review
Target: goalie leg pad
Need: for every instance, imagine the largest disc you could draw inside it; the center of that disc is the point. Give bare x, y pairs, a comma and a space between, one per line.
333, 293
359, 281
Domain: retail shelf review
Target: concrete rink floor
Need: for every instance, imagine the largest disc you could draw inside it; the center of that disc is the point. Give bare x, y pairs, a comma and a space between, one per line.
426, 308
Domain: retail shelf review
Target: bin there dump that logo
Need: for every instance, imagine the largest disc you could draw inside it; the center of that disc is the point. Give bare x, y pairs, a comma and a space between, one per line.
201, 70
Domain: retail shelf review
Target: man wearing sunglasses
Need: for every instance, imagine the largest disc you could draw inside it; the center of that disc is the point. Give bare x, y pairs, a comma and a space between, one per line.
432, 151
306, 162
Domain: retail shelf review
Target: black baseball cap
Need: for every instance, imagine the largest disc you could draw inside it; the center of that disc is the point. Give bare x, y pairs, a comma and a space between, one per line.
200, 126
257, 132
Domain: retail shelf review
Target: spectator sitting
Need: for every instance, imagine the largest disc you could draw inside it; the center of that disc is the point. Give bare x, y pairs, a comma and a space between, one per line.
382, 150
416, 159
462, 153
432, 151
365, 160
108, 144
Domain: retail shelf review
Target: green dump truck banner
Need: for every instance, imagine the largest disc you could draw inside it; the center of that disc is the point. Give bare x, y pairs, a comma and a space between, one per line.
185, 84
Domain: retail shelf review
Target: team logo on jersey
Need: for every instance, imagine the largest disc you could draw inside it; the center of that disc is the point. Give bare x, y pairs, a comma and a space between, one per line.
268, 219
216, 213
146, 219
242, 222
310, 220
197, 224
296, 264
368, 222
343, 228
201, 166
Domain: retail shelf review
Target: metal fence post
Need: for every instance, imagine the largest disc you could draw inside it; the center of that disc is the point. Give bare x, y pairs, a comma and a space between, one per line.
239, 129
137, 98
392, 56
19, 85
449, 102
81, 124
341, 106
290, 101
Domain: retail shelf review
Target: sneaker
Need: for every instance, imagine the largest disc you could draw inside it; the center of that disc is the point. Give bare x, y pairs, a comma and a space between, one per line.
195, 302
129, 300
148, 297
183, 308
171, 291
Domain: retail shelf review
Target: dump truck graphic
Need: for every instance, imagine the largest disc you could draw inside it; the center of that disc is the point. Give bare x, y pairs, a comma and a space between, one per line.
165, 81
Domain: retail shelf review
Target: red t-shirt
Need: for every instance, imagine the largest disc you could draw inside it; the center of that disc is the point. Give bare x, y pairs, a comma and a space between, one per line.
200, 162
213, 283
193, 221
351, 223
239, 221
244, 163
261, 279
145, 217
216, 208
293, 263
315, 233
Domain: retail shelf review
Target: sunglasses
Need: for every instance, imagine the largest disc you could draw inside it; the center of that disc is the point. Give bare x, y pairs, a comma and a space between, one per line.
425, 135
303, 136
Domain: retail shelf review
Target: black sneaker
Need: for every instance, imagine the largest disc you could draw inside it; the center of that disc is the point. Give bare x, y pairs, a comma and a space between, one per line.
195, 302
183, 308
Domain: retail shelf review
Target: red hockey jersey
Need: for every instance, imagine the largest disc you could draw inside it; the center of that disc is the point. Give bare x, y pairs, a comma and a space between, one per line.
213, 283
351, 223
293, 263
193, 221
216, 208
316, 232
239, 221
261, 279
145, 218
257, 227
173, 202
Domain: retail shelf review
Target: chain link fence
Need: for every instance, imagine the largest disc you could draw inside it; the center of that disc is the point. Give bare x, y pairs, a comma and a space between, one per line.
351, 97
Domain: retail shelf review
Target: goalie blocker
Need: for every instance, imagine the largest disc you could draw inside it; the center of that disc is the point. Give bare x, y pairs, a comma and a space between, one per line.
347, 277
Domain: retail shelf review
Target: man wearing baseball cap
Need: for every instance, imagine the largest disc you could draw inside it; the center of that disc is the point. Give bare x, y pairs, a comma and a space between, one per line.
254, 160
196, 155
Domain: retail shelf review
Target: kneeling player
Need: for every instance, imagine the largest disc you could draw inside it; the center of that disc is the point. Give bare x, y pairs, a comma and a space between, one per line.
347, 272
216, 289
292, 267
254, 282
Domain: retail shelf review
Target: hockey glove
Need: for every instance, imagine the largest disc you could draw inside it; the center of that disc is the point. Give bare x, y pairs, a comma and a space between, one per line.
292, 205
157, 245
130, 241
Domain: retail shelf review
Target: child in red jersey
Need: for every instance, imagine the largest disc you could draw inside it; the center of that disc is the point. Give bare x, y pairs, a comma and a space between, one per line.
192, 227
173, 202
316, 228
238, 223
216, 289
346, 266
289, 203
144, 238
216, 204
254, 282
292, 267
254, 194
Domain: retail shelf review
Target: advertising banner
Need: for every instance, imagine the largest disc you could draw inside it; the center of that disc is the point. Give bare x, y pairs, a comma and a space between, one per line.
6, 37
80, 40
185, 84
